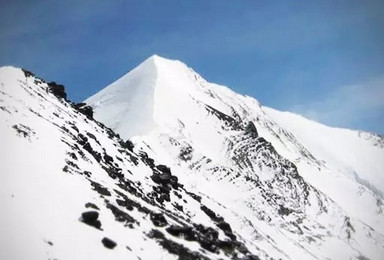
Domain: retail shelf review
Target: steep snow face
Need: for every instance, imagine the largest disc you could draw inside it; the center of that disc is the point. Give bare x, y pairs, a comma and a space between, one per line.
119, 106
284, 183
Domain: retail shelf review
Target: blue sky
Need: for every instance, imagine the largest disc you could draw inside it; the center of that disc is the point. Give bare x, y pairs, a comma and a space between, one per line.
323, 59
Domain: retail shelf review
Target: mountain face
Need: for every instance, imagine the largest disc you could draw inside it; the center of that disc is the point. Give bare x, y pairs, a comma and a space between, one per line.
162, 164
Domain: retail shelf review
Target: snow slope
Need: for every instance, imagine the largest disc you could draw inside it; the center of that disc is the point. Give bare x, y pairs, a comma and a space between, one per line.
294, 188
73, 189
206, 174
356, 152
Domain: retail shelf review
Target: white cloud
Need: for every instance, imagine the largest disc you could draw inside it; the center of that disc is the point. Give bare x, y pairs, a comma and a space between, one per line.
349, 106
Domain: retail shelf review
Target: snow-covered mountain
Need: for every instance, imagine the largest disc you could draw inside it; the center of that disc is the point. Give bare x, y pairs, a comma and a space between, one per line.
183, 169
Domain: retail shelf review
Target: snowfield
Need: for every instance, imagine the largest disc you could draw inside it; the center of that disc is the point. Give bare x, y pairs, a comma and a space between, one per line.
176, 167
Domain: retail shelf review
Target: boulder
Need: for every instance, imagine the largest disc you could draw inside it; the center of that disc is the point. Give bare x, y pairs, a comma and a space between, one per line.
91, 218
108, 243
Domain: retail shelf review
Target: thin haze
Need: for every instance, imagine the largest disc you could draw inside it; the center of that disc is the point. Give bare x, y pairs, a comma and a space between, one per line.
323, 59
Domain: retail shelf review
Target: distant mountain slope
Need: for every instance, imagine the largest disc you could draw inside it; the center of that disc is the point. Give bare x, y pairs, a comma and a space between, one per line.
357, 152
295, 188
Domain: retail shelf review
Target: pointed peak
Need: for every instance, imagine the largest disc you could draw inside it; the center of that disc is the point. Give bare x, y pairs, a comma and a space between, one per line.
154, 56
157, 57
154, 61
160, 61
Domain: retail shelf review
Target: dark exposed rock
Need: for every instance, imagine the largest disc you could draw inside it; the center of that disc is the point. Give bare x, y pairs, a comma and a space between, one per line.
91, 218
220, 222
228, 120
72, 164
209, 245
207, 238
87, 173
228, 247
49, 242
108, 243
73, 156
166, 182
164, 169
178, 206
92, 136
83, 141
165, 179
212, 215
177, 194
160, 194
224, 226
231, 236
107, 158
158, 219
120, 215
162, 189
27, 73
284, 211
100, 188
66, 169
251, 130
186, 153
23, 130
91, 205
114, 172
84, 109
57, 90
149, 161
127, 144
349, 228
194, 196
186, 232
128, 186
130, 204
125, 203
208, 233
75, 128
175, 248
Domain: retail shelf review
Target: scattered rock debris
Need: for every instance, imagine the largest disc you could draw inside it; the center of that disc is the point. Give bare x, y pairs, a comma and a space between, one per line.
91, 205
158, 219
57, 90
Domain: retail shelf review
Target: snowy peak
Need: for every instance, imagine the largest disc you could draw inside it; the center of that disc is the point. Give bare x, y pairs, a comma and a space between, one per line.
160, 92
129, 98
150, 87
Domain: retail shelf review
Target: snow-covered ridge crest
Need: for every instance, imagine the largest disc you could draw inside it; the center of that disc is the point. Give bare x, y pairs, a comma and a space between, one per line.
129, 98
160, 92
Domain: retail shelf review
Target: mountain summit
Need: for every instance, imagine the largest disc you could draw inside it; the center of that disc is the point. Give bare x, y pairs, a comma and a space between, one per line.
155, 91
169, 166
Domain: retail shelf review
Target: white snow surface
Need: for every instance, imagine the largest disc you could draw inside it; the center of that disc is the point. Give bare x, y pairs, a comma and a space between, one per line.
267, 184
49, 174
343, 170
